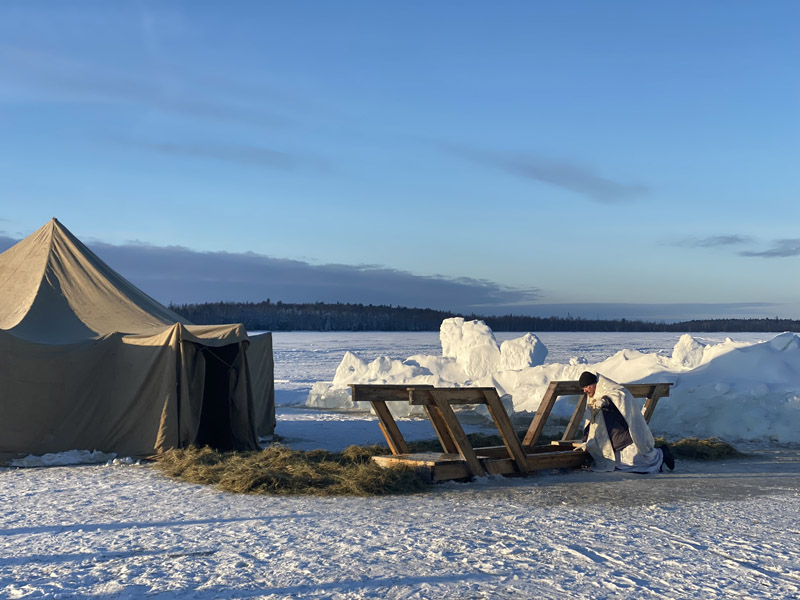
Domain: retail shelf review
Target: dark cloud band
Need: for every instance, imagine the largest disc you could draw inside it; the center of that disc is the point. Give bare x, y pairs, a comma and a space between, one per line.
181, 275
780, 249
178, 274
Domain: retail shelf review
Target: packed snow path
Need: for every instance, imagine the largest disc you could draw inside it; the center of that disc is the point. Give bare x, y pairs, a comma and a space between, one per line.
708, 530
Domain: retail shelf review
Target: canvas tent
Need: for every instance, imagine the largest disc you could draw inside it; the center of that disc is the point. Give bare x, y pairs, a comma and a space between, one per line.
89, 361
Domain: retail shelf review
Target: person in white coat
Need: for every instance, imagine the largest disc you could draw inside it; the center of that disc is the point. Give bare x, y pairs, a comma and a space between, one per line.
617, 436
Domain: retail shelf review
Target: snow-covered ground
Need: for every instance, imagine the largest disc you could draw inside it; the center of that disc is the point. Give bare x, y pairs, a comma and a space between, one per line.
121, 530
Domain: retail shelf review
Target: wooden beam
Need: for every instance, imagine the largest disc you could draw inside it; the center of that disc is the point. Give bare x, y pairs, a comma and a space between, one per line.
539, 419
444, 467
456, 432
661, 390
506, 429
386, 393
575, 422
440, 427
395, 439
568, 459
453, 396
434, 467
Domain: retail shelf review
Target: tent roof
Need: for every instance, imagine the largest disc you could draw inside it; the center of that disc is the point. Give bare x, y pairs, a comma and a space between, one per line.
53, 289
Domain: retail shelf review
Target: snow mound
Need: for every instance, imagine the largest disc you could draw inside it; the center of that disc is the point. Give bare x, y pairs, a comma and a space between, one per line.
472, 344
733, 390
521, 353
688, 352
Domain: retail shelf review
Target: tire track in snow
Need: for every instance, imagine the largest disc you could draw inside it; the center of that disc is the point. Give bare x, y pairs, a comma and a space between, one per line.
643, 583
709, 547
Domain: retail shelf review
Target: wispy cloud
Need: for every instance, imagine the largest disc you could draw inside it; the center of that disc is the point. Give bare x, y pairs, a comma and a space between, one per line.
563, 174
713, 241
257, 156
67, 80
780, 249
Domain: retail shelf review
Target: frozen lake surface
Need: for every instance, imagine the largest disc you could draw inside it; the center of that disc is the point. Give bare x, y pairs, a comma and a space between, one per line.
707, 530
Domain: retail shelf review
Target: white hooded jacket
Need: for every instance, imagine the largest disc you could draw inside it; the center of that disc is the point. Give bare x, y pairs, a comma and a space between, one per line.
598, 443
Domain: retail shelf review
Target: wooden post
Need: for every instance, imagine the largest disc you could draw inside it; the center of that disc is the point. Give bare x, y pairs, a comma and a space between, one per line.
545, 406
659, 390
575, 421
506, 429
395, 439
440, 427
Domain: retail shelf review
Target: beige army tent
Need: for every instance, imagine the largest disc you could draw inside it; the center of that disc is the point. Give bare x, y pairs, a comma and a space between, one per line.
89, 361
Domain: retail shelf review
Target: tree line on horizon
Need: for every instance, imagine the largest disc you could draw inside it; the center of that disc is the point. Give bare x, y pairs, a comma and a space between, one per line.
320, 316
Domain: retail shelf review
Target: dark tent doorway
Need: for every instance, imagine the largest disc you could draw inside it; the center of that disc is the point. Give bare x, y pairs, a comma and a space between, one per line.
221, 374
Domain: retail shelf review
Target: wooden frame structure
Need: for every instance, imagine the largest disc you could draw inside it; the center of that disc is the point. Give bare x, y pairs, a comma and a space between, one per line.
458, 459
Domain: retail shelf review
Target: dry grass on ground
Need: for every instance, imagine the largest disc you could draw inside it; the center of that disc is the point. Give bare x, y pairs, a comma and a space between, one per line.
280, 470
697, 449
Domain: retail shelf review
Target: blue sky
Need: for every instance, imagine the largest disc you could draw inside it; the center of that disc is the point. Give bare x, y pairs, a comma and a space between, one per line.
612, 159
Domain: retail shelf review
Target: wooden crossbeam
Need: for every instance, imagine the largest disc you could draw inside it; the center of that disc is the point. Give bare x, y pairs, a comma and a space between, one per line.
386, 393
470, 395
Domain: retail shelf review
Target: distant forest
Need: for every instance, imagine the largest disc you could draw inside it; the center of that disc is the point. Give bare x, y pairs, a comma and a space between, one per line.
319, 316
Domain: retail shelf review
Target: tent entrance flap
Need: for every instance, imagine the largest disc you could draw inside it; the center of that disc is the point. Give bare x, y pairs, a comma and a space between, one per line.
215, 428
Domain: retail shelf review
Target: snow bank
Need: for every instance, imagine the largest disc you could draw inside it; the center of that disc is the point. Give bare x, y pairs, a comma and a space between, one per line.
72, 457
470, 354
734, 390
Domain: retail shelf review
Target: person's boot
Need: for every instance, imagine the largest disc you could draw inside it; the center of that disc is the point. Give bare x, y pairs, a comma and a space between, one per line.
669, 460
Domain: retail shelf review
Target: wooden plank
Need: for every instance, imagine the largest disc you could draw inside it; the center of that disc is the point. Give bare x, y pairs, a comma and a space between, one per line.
457, 433
539, 419
454, 396
643, 390
575, 422
449, 469
387, 393
395, 439
422, 458
440, 427
491, 452
661, 390
567, 444
569, 459
450, 472
506, 429
637, 390
502, 451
